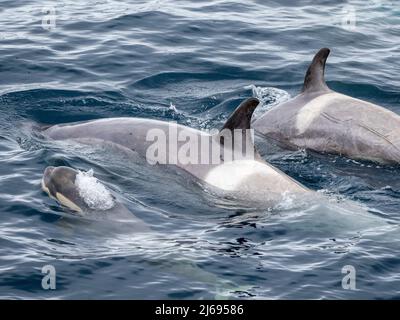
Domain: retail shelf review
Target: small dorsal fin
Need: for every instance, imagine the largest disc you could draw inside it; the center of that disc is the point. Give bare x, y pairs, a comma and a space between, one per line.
241, 117
314, 79
240, 120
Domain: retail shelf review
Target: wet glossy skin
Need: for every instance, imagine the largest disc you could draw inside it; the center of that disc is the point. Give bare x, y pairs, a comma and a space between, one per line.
334, 123
261, 181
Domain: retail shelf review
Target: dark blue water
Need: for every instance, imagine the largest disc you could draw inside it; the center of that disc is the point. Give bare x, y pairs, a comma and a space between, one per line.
111, 58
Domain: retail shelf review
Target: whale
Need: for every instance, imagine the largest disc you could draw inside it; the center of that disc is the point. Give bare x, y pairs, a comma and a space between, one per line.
224, 160
326, 121
83, 196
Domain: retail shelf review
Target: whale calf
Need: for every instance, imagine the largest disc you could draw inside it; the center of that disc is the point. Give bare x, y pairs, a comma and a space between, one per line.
243, 174
59, 184
85, 197
326, 121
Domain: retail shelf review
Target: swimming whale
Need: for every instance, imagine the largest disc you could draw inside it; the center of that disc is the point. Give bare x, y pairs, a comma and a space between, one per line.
226, 160
85, 197
59, 184
326, 121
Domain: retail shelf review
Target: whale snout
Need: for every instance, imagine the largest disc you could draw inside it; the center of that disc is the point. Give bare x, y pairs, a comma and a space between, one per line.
59, 184
55, 178
48, 171
46, 180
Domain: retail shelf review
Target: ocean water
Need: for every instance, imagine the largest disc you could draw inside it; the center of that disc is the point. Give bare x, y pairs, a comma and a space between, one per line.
192, 62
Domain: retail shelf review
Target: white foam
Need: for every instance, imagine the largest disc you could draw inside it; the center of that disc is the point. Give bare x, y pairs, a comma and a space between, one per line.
95, 194
269, 97
288, 201
172, 107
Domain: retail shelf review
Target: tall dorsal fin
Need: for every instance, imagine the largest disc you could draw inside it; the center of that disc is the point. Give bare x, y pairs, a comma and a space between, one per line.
314, 79
241, 117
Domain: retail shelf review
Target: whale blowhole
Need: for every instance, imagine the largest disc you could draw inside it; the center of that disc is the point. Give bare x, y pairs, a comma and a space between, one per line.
93, 192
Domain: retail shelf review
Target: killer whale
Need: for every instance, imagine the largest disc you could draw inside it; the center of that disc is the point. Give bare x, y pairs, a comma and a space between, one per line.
326, 121
244, 174
79, 193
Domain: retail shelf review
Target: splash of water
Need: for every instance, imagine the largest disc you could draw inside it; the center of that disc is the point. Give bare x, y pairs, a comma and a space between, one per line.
269, 98
172, 107
95, 194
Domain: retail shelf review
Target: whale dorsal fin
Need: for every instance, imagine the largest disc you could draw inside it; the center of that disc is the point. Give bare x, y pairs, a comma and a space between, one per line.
241, 117
314, 79
240, 120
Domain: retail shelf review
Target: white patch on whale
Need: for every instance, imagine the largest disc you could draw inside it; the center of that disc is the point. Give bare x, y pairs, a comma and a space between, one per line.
312, 110
95, 194
67, 202
241, 175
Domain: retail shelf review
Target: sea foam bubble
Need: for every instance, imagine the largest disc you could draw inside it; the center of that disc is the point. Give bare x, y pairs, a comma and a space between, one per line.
93, 192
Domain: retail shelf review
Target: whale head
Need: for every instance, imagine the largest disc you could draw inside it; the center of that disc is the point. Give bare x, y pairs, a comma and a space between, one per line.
59, 184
